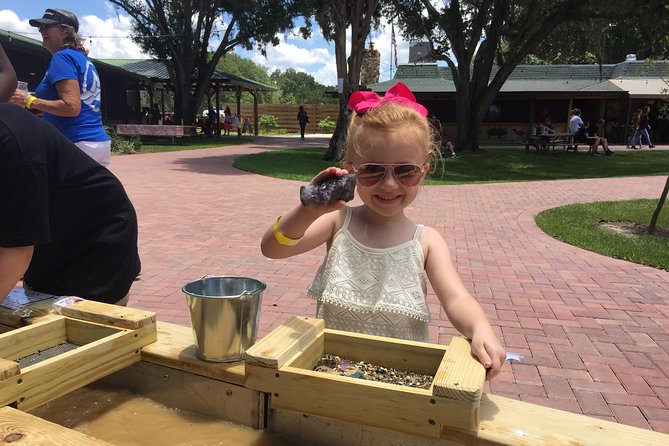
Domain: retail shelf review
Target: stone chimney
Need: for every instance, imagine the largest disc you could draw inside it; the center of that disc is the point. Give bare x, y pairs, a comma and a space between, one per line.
371, 65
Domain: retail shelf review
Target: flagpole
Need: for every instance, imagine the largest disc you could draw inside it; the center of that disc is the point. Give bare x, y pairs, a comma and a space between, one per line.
393, 46
390, 54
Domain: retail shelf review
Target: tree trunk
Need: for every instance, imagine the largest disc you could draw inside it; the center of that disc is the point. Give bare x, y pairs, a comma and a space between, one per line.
348, 70
336, 145
658, 209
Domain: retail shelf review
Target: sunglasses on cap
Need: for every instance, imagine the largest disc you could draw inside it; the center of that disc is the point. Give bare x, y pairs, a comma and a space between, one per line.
370, 174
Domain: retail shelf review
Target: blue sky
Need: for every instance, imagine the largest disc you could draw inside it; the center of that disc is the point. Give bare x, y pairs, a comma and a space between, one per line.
106, 37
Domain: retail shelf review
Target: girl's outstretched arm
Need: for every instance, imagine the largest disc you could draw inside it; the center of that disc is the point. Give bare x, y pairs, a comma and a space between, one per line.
303, 228
462, 309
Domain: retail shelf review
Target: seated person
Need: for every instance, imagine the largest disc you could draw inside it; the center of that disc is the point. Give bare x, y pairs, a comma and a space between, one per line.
596, 130
439, 133
68, 226
451, 148
537, 139
587, 134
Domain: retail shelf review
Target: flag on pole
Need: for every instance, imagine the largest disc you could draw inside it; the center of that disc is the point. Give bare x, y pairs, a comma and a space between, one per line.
393, 43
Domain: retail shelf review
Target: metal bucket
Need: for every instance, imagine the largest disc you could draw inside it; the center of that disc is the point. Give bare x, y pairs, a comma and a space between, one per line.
224, 313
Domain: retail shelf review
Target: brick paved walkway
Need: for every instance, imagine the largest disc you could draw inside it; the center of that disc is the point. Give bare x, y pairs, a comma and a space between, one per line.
594, 331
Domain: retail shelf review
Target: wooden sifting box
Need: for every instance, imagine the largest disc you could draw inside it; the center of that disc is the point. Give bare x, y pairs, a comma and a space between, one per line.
282, 364
60, 353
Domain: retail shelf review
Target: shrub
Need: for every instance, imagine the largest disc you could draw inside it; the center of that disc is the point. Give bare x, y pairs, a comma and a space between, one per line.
121, 144
327, 125
268, 121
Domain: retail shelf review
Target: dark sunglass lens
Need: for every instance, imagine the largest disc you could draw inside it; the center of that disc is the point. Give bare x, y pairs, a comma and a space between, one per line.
369, 174
408, 174
371, 169
407, 170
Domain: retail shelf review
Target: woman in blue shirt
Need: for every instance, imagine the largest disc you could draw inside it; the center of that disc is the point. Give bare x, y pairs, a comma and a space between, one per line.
69, 96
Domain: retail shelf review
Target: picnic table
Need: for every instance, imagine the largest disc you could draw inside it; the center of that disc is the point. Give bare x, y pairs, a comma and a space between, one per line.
544, 143
171, 131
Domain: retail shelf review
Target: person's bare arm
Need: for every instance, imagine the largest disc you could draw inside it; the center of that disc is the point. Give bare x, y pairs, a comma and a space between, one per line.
67, 105
13, 264
464, 312
313, 226
7, 77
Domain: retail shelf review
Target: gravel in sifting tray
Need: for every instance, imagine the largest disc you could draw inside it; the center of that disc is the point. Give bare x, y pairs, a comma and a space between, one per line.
359, 369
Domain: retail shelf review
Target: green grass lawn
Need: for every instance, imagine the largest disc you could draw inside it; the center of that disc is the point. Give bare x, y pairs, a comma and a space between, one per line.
579, 225
495, 165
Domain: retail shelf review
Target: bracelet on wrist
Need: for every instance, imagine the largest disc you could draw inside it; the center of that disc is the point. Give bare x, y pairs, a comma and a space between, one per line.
281, 238
29, 104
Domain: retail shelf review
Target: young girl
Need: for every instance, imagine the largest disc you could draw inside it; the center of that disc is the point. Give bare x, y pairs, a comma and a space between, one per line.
373, 278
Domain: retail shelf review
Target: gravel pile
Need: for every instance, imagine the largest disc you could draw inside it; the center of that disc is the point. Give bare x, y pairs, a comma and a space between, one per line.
362, 370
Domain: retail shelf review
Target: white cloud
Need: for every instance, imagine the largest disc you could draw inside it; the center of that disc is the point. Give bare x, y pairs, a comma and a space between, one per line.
109, 38
319, 62
11, 22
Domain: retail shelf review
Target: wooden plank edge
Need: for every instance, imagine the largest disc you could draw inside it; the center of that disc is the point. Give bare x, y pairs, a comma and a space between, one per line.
460, 375
29, 430
8, 369
108, 314
508, 422
282, 343
174, 348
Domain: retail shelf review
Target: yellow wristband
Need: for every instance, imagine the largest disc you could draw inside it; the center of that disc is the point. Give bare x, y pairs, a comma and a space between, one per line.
29, 104
282, 239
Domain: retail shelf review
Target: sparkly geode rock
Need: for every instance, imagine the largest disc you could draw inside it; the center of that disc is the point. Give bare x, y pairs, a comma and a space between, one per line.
329, 191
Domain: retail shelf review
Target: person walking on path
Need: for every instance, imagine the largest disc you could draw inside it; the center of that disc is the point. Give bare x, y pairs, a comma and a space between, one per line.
644, 127
69, 95
373, 278
303, 120
634, 130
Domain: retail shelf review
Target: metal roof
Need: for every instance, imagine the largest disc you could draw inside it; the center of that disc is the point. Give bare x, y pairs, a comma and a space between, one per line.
14, 40
157, 72
637, 78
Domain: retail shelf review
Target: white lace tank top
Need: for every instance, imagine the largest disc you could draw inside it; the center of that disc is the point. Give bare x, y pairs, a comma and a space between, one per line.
373, 291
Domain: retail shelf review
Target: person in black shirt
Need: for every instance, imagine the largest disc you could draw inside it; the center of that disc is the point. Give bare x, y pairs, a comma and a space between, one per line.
67, 227
303, 120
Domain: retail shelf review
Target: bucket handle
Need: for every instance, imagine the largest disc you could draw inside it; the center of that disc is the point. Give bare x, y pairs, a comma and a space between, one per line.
242, 295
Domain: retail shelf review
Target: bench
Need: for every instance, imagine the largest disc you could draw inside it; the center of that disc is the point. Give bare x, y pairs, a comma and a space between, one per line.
172, 131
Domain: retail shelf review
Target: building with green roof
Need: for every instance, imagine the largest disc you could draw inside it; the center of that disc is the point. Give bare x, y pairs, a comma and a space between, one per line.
533, 92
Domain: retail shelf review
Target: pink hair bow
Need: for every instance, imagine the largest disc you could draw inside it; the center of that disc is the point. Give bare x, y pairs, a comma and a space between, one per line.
361, 101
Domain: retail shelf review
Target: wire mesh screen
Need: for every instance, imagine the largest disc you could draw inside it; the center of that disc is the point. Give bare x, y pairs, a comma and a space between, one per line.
47, 353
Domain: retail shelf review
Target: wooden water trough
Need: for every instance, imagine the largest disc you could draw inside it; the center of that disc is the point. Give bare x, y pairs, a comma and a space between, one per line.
276, 390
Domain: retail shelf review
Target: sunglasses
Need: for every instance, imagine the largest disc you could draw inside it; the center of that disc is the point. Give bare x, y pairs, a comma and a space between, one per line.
51, 25
407, 174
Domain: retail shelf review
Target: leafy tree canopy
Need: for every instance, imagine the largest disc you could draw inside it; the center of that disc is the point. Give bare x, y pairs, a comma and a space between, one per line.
234, 64
299, 88
190, 36
601, 40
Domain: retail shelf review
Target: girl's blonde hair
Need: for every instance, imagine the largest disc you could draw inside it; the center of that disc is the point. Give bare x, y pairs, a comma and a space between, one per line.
72, 40
389, 118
